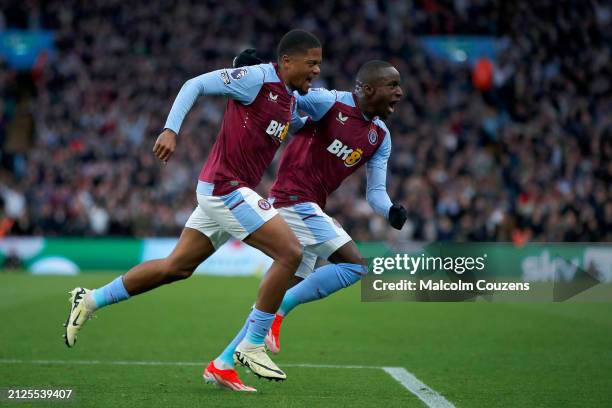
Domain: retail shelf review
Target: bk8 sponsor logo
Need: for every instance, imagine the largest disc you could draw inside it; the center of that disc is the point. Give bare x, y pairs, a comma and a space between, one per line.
349, 156
278, 130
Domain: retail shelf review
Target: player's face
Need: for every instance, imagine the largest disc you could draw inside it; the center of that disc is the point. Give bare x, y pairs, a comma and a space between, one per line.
301, 69
385, 93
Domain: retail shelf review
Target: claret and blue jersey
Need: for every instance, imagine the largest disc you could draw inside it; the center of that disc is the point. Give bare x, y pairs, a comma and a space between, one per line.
256, 122
332, 143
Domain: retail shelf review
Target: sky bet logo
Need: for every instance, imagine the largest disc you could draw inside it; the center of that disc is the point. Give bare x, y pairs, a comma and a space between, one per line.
351, 157
278, 130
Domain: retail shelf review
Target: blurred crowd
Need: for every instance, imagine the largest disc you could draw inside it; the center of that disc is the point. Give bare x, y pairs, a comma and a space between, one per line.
529, 159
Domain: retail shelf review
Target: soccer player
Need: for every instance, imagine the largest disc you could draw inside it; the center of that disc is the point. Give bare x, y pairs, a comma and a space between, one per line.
257, 117
344, 131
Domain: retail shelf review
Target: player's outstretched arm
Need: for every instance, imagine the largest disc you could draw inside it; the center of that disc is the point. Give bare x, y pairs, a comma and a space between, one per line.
240, 84
376, 172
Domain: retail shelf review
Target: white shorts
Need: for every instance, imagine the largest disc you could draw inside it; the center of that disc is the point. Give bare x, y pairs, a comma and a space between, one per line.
237, 214
319, 234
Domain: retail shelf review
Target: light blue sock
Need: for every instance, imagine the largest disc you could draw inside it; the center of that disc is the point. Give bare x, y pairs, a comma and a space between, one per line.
226, 358
113, 292
321, 283
259, 324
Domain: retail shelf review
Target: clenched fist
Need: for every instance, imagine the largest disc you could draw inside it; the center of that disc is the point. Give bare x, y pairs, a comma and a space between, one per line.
165, 145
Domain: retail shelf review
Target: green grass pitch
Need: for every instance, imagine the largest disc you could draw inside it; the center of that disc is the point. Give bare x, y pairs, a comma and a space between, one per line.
474, 354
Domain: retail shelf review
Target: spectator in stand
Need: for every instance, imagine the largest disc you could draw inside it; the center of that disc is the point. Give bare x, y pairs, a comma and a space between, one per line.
530, 159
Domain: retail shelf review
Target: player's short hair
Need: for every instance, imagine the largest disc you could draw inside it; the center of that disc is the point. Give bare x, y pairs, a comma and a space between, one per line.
297, 42
370, 72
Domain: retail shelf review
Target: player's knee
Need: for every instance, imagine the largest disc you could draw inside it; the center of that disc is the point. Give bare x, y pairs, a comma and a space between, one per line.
356, 259
361, 262
177, 269
360, 266
183, 274
292, 255
364, 269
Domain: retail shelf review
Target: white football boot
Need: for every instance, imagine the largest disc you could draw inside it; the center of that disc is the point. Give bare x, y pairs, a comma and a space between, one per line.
78, 315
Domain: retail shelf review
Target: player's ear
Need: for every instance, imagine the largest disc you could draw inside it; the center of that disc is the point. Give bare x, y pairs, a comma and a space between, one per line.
285, 59
368, 90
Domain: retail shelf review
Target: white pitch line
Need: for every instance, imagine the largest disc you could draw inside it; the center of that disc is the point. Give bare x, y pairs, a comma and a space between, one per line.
430, 397
307, 365
414, 385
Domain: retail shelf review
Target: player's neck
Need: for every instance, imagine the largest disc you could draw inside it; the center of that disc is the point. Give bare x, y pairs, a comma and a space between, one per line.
362, 105
282, 76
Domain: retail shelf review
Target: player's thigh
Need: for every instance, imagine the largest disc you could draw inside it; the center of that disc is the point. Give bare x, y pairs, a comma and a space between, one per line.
275, 239
192, 249
199, 239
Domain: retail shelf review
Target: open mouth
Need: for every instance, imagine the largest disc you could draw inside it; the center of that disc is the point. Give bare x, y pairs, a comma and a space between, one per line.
391, 106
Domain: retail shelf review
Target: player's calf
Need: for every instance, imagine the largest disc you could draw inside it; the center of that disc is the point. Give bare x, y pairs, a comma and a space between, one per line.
276, 240
321, 283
